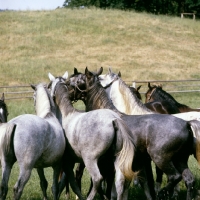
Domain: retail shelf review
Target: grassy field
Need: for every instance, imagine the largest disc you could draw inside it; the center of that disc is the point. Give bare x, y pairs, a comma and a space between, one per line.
142, 46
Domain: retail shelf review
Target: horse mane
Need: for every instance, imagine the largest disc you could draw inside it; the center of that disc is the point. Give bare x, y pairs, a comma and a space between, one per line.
131, 100
99, 97
160, 95
45, 104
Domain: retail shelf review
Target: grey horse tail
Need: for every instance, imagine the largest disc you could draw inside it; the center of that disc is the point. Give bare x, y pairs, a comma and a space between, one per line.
125, 157
7, 145
195, 126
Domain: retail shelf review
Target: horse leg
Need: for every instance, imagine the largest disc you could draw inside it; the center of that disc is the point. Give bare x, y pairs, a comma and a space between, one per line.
146, 182
96, 176
43, 182
174, 177
188, 179
55, 186
6, 170
79, 173
150, 179
23, 178
159, 175
110, 180
68, 169
100, 190
121, 185
108, 173
64, 183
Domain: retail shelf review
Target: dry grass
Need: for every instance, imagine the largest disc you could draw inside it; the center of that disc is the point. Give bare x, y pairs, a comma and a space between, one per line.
141, 46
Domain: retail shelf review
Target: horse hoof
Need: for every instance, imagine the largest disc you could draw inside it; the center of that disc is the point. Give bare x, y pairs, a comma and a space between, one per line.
175, 197
77, 197
163, 194
105, 197
197, 195
67, 196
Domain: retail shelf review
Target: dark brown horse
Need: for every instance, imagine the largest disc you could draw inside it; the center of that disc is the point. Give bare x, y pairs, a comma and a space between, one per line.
152, 135
156, 93
162, 107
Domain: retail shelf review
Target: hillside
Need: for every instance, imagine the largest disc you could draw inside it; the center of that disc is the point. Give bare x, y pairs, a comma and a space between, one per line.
140, 45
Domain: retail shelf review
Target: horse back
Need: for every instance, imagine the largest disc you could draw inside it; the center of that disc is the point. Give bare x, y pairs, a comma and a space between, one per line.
89, 131
37, 141
157, 133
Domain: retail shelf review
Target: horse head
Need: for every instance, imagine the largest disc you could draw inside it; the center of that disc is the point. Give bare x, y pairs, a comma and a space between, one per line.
83, 82
151, 90
3, 110
107, 79
54, 80
136, 91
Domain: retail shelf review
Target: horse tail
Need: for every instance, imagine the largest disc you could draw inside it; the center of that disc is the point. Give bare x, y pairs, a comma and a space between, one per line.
126, 154
7, 133
195, 126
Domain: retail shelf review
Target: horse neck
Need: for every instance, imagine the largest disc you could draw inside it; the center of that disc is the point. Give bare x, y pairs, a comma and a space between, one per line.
64, 105
97, 98
125, 101
161, 95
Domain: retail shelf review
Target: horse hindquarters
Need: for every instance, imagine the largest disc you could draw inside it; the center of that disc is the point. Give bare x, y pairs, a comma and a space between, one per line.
7, 156
176, 167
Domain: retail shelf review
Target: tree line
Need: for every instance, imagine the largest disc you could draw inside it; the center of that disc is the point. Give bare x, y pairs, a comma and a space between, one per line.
166, 7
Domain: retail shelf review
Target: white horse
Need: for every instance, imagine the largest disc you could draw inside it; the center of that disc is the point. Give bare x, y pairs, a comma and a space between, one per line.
127, 102
36, 142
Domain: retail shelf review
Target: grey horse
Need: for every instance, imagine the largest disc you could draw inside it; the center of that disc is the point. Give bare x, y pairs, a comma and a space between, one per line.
94, 137
36, 142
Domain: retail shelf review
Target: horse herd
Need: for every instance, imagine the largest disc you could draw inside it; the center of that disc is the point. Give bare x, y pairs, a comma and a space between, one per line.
115, 139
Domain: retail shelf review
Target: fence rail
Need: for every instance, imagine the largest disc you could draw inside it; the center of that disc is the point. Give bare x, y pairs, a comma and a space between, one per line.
172, 86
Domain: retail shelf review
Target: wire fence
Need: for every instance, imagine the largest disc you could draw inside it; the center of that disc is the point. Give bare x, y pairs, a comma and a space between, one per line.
172, 86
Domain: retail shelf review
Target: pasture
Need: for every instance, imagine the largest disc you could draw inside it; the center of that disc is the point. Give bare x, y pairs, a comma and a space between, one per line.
142, 46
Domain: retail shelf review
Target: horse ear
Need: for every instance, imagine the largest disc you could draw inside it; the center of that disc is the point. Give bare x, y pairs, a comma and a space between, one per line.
159, 85
139, 87
100, 71
65, 76
33, 87
2, 98
119, 74
149, 85
51, 77
88, 73
75, 70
